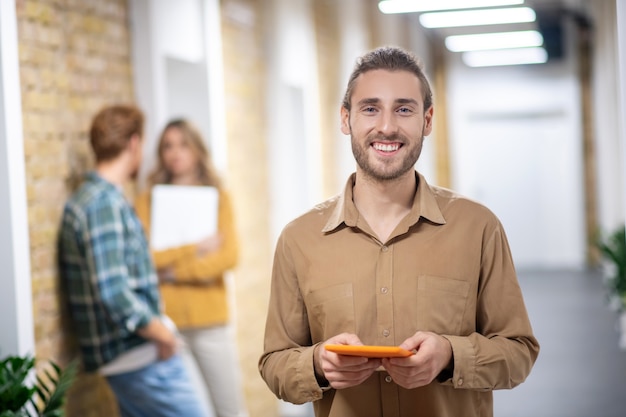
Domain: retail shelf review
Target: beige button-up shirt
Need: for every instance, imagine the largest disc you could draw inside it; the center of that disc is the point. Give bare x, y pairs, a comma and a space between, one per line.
446, 268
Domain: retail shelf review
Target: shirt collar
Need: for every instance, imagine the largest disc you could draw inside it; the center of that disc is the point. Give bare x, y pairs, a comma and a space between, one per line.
94, 177
424, 205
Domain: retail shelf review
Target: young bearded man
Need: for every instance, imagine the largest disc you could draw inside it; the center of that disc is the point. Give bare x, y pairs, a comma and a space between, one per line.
394, 261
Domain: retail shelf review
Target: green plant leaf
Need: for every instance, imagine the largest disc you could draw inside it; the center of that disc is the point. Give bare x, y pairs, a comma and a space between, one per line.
14, 393
61, 382
613, 249
9, 413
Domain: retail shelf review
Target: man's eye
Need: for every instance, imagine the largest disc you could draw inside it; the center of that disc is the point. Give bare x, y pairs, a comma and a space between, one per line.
369, 109
404, 110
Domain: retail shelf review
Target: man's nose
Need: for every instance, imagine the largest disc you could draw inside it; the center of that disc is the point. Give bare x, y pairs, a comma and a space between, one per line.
387, 123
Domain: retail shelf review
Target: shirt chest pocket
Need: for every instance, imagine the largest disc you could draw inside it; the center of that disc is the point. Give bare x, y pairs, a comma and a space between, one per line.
331, 311
441, 304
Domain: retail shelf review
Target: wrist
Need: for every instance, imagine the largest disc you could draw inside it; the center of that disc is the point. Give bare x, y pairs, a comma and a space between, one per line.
317, 368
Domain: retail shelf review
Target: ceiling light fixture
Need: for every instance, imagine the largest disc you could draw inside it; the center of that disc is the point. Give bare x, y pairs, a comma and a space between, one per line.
498, 40
410, 6
477, 17
500, 57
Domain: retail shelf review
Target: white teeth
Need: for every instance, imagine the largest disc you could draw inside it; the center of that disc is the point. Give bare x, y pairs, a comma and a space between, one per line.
386, 147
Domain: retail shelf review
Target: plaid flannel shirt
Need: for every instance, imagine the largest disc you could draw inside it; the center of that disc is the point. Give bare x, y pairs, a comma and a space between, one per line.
106, 270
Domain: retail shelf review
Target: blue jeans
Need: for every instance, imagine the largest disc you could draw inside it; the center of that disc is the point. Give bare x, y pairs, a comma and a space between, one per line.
161, 389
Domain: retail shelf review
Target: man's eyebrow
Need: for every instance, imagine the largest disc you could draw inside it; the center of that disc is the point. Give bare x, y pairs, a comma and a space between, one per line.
406, 101
375, 100
366, 101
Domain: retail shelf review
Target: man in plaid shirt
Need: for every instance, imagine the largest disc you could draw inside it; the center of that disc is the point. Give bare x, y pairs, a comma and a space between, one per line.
111, 282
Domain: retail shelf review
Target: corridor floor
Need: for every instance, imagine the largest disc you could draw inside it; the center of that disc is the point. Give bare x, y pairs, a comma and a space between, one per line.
580, 371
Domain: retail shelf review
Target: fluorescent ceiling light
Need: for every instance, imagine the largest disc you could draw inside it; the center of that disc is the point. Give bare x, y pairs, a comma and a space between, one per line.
409, 6
499, 40
517, 56
477, 17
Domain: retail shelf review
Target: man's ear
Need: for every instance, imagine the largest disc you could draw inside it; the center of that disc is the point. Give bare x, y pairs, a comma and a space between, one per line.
345, 121
134, 142
428, 121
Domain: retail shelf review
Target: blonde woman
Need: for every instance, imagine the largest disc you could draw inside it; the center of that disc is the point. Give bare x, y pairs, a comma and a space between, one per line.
192, 276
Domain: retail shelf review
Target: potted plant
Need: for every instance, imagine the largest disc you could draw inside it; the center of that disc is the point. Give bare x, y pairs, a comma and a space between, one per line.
44, 397
613, 249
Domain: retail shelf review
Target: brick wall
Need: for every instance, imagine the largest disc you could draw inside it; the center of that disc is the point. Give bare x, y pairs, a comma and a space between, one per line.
74, 58
245, 78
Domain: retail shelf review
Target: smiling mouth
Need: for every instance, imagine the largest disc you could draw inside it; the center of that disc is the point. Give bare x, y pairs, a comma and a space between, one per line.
386, 147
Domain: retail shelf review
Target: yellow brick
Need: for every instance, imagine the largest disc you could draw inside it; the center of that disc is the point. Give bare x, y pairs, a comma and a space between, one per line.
61, 80
39, 101
93, 24
42, 284
42, 260
34, 167
37, 56
35, 124
49, 304
36, 215
39, 11
30, 145
76, 102
51, 36
43, 237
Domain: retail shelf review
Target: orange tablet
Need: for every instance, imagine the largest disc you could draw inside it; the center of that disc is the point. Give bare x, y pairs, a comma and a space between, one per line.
370, 351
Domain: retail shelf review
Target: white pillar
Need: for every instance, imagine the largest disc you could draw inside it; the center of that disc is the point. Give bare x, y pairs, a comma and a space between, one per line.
16, 319
621, 51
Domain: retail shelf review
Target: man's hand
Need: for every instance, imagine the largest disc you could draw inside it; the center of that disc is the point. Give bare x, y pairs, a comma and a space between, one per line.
166, 341
168, 346
434, 353
343, 371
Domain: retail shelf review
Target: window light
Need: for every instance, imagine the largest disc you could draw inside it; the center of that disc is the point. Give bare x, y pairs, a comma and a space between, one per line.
499, 57
499, 40
477, 17
410, 6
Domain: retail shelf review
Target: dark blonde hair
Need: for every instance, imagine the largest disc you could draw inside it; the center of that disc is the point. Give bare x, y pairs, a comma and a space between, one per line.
207, 175
111, 129
389, 58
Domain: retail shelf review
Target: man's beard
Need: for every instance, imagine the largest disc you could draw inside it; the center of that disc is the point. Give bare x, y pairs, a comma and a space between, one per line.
383, 174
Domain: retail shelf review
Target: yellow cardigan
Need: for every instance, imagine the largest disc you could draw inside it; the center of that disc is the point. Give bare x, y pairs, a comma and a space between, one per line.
197, 297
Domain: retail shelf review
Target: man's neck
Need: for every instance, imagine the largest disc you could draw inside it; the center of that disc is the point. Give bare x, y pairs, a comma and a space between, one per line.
114, 171
384, 204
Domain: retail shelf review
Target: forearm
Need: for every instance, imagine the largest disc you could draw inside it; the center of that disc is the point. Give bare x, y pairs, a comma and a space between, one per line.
170, 257
213, 265
123, 305
290, 374
491, 363
156, 331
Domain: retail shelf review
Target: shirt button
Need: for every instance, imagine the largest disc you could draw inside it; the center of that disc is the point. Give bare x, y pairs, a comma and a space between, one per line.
388, 379
385, 248
384, 290
386, 333
460, 382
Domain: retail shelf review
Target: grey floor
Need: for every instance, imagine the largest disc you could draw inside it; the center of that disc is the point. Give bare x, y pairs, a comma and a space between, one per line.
580, 371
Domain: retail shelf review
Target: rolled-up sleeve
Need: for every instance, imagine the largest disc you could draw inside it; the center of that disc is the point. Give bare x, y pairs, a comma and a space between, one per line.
110, 271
